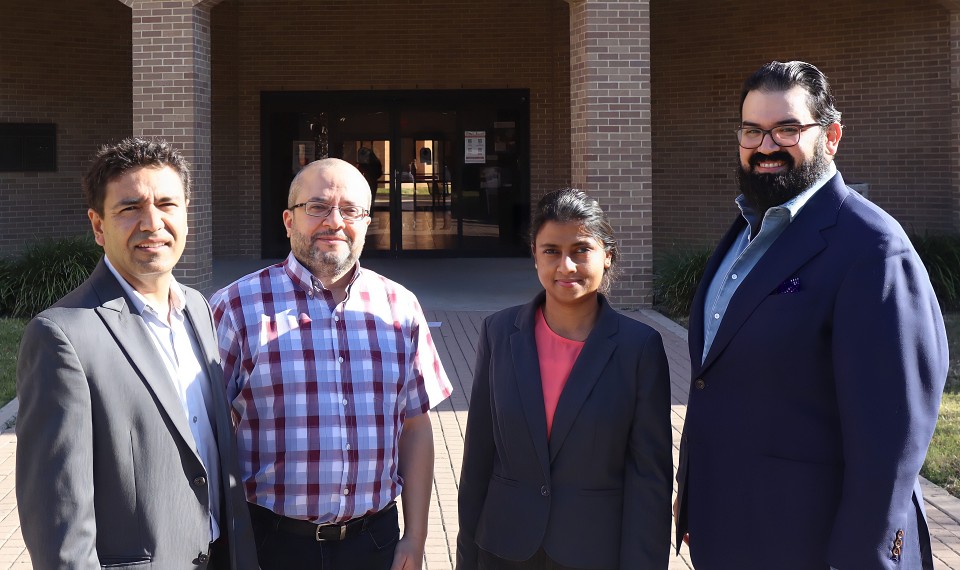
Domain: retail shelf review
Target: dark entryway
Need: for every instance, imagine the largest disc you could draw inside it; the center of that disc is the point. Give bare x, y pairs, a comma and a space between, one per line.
449, 170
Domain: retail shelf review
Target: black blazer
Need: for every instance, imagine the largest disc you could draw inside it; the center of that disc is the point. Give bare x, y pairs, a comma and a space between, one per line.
597, 493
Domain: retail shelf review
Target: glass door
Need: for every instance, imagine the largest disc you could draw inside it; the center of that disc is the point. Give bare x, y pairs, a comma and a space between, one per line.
447, 170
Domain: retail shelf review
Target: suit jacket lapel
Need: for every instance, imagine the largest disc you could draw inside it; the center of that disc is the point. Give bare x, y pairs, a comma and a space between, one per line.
132, 335
798, 243
526, 365
586, 371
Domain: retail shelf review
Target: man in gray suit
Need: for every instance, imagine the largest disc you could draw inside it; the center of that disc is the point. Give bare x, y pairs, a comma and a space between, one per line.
125, 454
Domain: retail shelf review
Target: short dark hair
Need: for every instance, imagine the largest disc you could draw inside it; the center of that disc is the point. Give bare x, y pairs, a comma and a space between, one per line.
777, 76
572, 205
114, 160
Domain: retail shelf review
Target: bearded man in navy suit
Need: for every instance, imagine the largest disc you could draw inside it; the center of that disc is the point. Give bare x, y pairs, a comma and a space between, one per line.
818, 357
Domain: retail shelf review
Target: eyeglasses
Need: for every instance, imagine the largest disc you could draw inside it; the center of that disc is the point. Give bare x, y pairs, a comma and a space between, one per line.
321, 210
784, 135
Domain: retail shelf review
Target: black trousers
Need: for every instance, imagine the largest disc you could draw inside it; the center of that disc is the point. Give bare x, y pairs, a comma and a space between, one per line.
539, 561
371, 549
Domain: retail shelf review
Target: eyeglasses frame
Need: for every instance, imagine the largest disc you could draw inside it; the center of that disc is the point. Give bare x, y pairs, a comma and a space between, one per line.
330, 210
739, 131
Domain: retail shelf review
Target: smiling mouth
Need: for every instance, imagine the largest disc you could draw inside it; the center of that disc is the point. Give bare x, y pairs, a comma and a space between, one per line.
152, 245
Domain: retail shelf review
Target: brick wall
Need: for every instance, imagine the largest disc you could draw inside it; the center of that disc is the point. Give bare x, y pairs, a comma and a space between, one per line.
68, 63
888, 61
304, 45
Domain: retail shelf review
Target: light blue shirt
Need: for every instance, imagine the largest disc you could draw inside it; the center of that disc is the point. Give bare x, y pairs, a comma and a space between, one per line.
746, 251
183, 361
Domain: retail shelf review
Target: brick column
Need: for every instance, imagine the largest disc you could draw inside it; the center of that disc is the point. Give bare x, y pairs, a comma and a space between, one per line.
171, 100
610, 129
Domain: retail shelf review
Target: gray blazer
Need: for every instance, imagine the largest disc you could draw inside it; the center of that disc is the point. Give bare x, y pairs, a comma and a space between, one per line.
107, 472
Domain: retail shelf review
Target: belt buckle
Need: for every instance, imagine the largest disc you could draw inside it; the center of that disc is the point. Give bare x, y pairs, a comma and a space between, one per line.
343, 532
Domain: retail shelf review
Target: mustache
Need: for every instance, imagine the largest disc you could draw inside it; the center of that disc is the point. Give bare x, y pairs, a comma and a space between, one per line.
328, 233
780, 155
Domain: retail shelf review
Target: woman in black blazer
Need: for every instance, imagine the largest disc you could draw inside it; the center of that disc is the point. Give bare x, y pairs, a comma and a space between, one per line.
567, 461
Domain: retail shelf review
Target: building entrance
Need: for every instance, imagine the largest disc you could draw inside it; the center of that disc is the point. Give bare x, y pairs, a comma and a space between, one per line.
448, 170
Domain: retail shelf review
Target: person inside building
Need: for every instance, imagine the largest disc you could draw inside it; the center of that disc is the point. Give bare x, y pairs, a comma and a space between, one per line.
567, 460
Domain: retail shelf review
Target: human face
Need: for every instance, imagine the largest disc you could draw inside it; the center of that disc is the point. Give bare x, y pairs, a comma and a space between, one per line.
329, 247
570, 262
143, 228
770, 174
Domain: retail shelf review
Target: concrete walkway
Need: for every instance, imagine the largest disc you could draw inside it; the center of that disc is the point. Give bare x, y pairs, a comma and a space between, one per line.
481, 286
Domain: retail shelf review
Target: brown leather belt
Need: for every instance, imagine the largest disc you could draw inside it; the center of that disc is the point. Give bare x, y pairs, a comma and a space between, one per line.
320, 532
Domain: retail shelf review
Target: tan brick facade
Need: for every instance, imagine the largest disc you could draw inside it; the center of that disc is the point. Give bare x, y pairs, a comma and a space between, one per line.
634, 100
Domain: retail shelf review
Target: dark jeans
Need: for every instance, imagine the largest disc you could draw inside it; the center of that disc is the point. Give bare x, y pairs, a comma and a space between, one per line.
372, 549
539, 561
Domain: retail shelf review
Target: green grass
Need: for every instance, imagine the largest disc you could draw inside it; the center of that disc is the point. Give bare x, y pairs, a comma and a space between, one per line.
10, 332
943, 459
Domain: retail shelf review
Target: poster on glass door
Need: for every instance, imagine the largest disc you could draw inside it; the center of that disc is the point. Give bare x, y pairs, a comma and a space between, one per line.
475, 147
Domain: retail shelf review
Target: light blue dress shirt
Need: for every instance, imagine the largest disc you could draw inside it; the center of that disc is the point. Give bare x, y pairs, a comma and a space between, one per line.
746, 251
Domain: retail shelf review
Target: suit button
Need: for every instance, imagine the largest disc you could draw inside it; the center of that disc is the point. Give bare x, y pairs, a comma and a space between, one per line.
203, 558
900, 533
200, 481
700, 384
545, 491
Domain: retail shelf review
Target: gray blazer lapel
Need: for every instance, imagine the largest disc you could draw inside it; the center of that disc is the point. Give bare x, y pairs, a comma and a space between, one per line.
586, 371
800, 242
133, 337
526, 367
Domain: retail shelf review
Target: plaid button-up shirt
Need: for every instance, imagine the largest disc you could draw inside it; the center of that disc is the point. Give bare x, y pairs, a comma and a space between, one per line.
320, 390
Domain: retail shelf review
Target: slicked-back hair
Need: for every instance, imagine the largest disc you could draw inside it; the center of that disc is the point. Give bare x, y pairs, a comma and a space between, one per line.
115, 160
569, 205
778, 76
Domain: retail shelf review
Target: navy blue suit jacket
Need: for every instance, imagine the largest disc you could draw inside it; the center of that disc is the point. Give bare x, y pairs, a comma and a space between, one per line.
596, 494
810, 417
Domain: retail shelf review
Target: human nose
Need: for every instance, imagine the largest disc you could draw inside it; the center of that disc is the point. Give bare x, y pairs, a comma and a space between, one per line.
767, 143
151, 219
334, 218
567, 265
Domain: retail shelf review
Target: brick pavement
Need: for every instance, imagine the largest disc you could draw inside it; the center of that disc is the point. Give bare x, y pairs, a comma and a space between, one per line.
456, 338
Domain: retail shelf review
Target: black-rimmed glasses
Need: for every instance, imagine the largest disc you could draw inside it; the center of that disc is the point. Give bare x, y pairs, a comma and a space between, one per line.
321, 210
784, 135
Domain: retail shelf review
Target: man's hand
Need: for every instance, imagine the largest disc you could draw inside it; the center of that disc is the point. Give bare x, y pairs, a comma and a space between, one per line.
676, 510
407, 556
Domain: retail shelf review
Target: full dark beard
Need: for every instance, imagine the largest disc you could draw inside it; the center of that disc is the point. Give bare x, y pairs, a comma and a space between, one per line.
764, 191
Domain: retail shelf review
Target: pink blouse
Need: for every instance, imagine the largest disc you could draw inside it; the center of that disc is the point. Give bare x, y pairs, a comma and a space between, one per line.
556, 355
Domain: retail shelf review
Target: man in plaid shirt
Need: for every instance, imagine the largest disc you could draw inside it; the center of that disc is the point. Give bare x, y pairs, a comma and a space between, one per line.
331, 371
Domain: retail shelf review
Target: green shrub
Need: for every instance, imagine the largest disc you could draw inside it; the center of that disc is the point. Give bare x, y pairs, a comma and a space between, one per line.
941, 256
675, 280
44, 272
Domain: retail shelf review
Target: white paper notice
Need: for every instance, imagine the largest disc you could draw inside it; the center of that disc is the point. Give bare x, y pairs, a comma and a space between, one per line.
475, 147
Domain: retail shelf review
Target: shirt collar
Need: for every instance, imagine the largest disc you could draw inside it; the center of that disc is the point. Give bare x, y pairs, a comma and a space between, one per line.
304, 279
792, 206
140, 303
